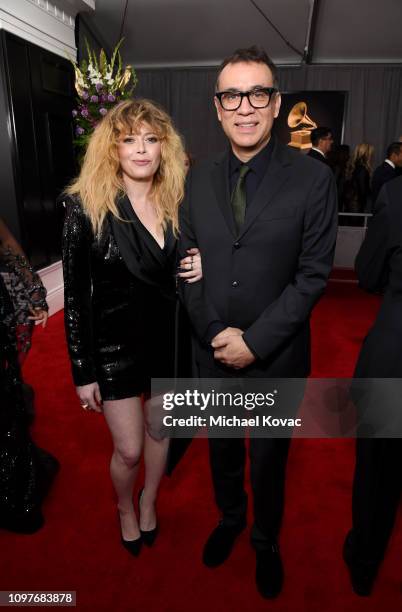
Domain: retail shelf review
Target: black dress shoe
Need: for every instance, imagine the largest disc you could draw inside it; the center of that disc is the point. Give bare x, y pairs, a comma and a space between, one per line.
269, 572
362, 575
149, 536
219, 544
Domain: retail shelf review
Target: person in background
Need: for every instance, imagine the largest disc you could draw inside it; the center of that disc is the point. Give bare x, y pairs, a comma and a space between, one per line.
188, 160
26, 471
119, 262
24, 287
377, 480
357, 192
338, 159
388, 169
399, 168
321, 141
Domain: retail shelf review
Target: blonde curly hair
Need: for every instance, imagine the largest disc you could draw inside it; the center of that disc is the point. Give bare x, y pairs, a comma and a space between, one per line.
100, 181
363, 155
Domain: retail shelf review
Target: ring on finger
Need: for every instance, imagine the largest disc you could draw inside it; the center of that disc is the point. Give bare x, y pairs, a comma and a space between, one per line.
84, 406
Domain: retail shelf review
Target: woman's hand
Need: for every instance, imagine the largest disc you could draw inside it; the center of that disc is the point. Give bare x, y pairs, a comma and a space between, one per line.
90, 397
191, 266
39, 315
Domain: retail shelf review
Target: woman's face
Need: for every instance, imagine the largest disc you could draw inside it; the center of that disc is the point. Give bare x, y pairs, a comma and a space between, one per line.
139, 153
187, 163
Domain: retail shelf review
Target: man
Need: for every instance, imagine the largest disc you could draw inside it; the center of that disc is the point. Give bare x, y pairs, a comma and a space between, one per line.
322, 141
399, 169
377, 481
267, 251
388, 170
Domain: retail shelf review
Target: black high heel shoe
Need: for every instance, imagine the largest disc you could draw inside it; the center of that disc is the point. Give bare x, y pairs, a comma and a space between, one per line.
132, 546
148, 537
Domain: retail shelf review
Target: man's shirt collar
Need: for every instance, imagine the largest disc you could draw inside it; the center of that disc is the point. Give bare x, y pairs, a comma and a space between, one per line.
258, 164
319, 151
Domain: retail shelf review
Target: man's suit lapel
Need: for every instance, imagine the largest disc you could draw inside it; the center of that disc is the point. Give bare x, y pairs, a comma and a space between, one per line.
276, 176
220, 181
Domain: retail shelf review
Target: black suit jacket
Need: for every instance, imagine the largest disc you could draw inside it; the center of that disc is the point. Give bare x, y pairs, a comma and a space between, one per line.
381, 175
379, 269
315, 155
267, 278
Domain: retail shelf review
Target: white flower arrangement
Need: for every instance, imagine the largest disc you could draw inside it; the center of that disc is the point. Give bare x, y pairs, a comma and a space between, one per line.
100, 85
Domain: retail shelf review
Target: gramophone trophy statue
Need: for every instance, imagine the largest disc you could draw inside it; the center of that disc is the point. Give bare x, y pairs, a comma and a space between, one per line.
300, 139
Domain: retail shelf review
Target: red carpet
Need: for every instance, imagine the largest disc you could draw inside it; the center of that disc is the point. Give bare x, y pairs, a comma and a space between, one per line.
79, 547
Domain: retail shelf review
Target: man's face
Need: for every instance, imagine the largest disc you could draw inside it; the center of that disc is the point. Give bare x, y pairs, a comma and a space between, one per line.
326, 143
397, 158
247, 128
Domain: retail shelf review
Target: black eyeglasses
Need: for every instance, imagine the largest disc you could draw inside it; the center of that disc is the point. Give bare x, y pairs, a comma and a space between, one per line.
258, 98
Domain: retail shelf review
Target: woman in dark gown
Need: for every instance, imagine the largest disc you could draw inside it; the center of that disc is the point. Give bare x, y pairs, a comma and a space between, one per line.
357, 192
119, 258
25, 288
26, 472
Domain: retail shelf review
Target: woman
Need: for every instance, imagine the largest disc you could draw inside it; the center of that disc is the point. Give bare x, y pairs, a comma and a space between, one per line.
338, 159
188, 161
357, 186
119, 246
27, 471
25, 288
376, 391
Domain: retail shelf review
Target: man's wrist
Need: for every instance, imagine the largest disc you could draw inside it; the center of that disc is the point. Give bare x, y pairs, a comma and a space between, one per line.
213, 330
250, 348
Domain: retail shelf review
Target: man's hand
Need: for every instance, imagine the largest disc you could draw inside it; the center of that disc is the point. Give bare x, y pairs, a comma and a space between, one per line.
231, 350
226, 333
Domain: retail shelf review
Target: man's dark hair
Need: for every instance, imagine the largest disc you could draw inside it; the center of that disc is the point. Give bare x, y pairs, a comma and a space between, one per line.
394, 148
251, 54
318, 133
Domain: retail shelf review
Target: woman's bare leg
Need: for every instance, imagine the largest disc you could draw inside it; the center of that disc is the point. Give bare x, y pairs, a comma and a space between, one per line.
126, 424
155, 454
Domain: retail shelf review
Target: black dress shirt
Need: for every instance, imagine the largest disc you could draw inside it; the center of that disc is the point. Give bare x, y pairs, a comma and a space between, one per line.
258, 167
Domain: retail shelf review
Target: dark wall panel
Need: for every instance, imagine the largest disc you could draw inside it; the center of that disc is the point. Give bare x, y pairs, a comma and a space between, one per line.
8, 197
41, 96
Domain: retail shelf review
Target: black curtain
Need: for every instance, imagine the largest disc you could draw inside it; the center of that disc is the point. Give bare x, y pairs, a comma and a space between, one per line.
373, 112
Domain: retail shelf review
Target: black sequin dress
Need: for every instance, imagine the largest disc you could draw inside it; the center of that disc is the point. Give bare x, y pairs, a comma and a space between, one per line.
26, 472
23, 285
120, 302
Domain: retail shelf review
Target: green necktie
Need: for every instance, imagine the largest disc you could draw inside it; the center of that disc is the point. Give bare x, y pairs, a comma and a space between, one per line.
239, 197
